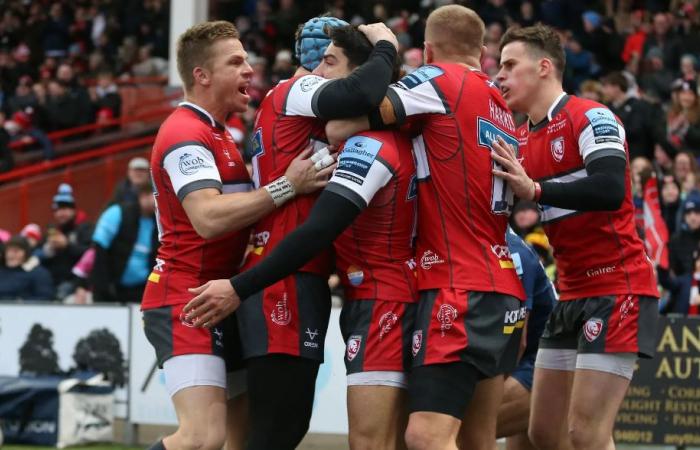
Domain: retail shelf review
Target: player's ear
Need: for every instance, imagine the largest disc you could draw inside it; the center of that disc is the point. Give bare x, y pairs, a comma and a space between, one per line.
201, 76
546, 67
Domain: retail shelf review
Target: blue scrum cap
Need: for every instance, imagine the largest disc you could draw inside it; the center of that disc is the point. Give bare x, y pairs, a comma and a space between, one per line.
313, 40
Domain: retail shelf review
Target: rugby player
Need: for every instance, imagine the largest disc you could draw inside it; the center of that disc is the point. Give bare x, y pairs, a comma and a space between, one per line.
204, 213
574, 163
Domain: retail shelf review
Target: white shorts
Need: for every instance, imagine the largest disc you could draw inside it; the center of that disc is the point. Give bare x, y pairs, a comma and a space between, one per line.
185, 371
621, 364
379, 378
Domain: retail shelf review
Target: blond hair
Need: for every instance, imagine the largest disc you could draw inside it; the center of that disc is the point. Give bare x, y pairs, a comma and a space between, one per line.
194, 46
455, 31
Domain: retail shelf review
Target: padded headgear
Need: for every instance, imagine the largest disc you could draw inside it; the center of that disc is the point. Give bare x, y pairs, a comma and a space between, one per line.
312, 41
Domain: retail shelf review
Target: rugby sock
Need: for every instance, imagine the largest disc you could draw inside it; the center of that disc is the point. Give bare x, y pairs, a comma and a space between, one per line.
157, 446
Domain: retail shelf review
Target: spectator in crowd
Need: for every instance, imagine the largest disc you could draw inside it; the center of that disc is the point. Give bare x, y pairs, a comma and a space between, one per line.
592, 90
685, 170
683, 121
412, 59
633, 50
125, 242
62, 109
656, 79
283, 68
644, 123
689, 66
580, 64
684, 243
66, 240
22, 277
7, 160
525, 218
148, 65
32, 233
137, 176
601, 40
22, 129
671, 203
105, 95
663, 38
65, 74
56, 36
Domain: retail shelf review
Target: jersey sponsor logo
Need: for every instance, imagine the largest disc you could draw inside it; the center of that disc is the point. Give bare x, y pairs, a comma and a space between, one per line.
556, 126
280, 314
556, 146
219, 339
513, 320
488, 132
308, 82
502, 196
257, 142
386, 323
420, 76
592, 329
189, 164
605, 127
446, 316
626, 308
353, 347
357, 157
355, 275
429, 259
600, 271
412, 188
312, 336
416, 342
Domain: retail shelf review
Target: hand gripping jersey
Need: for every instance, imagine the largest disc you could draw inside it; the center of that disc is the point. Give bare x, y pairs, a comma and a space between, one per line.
286, 124
374, 256
598, 253
462, 208
192, 152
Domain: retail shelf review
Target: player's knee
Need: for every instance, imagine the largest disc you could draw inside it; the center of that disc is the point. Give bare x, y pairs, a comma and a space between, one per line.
584, 437
544, 438
420, 437
367, 438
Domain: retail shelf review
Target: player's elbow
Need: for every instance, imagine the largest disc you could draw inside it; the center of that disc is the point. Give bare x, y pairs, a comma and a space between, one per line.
336, 131
613, 198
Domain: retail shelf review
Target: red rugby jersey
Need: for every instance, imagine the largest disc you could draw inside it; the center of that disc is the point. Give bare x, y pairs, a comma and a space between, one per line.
374, 255
192, 151
285, 125
462, 208
598, 252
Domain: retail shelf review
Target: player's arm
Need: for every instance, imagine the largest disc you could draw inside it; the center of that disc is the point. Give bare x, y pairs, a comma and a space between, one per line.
212, 213
346, 196
601, 144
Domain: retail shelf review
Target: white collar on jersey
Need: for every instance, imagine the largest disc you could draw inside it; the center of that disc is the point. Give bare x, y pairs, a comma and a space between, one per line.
200, 109
554, 105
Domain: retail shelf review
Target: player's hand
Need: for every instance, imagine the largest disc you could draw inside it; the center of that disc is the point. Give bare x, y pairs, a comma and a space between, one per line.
376, 32
504, 154
309, 174
214, 301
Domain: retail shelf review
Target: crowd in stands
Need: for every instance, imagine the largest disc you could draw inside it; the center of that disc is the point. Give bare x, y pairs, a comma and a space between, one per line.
639, 57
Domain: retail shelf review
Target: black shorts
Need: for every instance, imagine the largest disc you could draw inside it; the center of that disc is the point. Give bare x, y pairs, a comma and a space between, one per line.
171, 334
609, 324
290, 317
482, 329
377, 335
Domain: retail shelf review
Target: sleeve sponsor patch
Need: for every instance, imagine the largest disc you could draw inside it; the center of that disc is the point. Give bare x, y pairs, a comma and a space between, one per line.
605, 127
190, 163
420, 76
357, 157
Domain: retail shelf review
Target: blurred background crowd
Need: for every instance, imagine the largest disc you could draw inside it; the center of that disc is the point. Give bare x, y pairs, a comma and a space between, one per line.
63, 64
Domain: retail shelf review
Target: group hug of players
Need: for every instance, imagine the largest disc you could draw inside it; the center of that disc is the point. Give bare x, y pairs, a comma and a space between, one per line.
444, 306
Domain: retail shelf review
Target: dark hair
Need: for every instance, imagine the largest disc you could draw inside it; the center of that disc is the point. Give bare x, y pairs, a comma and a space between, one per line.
540, 38
616, 79
357, 47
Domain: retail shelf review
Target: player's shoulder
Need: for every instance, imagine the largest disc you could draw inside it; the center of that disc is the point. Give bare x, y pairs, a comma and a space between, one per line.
423, 74
181, 126
589, 111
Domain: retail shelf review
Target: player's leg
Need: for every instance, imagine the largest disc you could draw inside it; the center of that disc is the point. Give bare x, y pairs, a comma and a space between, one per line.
378, 337
519, 442
548, 428
238, 425
195, 378
514, 411
596, 398
623, 326
376, 417
478, 431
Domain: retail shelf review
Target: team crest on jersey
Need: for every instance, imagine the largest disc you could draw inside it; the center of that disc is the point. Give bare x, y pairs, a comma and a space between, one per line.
557, 148
445, 316
189, 323
592, 329
386, 323
353, 347
308, 82
355, 275
189, 164
280, 314
417, 342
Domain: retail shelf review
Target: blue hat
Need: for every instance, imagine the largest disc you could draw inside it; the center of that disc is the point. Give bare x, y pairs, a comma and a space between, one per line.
64, 197
593, 17
313, 40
